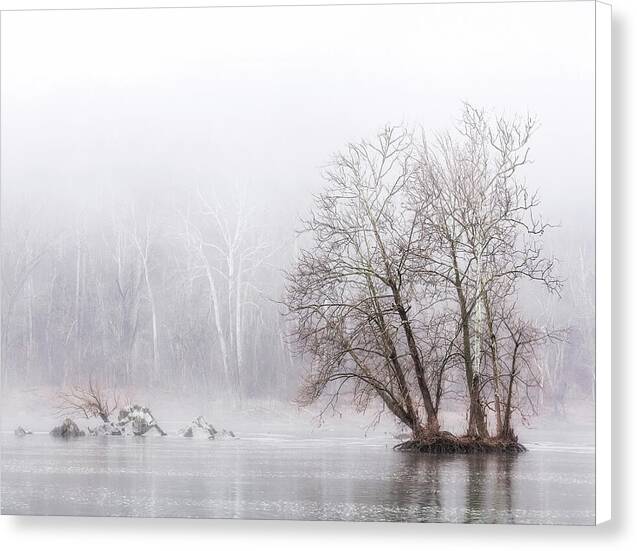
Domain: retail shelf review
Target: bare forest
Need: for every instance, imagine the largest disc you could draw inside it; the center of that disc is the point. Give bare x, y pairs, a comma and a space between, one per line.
142, 294
419, 282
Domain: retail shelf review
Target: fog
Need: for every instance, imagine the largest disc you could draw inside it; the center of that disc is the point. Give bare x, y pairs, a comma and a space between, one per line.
132, 139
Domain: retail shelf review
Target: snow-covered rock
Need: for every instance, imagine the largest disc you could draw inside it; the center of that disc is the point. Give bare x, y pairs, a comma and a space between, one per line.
20, 431
131, 421
200, 428
68, 429
138, 421
107, 429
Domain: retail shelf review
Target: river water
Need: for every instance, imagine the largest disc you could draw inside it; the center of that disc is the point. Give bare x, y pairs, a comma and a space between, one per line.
281, 476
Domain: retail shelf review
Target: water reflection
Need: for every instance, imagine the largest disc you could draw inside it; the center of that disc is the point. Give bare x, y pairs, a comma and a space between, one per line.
474, 488
505, 466
292, 479
417, 488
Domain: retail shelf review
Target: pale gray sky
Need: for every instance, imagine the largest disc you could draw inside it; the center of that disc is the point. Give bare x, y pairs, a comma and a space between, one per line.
261, 98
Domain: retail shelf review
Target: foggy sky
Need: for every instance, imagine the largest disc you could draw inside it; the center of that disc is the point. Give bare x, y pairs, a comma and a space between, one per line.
100, 103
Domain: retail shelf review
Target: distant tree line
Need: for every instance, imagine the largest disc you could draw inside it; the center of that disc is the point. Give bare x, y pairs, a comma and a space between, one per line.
148, 294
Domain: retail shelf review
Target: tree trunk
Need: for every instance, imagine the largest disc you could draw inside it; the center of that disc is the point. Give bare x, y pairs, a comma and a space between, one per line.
153, 313
78, 310
432, 417
214, 299
493, 347
388, 399
477, 421
507, 430
394, 362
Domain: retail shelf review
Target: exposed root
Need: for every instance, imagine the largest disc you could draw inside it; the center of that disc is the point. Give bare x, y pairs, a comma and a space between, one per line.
447, 443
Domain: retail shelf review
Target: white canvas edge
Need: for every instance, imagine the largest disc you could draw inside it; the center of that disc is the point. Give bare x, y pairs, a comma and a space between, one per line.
603, 244
603, 364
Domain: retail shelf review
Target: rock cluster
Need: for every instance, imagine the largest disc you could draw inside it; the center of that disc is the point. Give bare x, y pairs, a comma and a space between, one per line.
68, 429
139, 421
107, 429
200, 428
136, 420
132, 421
20, 431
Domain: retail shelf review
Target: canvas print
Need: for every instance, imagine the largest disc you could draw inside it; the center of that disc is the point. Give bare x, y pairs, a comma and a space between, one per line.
306, 263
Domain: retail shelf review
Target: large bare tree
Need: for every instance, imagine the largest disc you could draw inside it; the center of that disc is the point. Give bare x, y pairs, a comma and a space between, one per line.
481, 233
351, 294
416, 252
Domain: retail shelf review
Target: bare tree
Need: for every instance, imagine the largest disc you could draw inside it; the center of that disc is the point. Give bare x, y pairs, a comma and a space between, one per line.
143, 242
520, 376
351, 296
480, 230
409, 264
227, 251
125, 297
90, 401
416, 251
23, 250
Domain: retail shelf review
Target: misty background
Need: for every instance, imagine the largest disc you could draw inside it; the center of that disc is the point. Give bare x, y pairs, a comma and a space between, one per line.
155, 164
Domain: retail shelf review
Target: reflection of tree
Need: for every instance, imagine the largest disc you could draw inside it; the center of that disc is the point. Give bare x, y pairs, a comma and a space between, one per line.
434, 497
504, 466
486, 501
432, 488
476, 467
423, 474
438, 488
